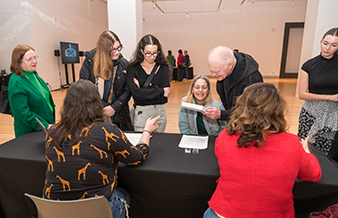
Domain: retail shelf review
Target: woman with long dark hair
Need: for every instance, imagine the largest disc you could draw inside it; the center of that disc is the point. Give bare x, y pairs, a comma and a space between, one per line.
149, 82
106, 68
83, 151
258, 160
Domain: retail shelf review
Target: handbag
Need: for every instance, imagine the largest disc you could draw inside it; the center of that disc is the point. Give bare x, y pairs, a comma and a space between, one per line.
146, 84
4, 102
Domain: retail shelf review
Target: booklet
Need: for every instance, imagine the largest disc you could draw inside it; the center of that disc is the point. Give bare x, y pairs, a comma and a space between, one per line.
194, 107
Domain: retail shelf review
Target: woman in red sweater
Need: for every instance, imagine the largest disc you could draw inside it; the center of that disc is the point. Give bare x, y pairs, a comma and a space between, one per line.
259, 161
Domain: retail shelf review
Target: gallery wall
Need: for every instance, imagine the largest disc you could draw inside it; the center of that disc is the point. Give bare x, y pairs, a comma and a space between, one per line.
43, 24
257, 30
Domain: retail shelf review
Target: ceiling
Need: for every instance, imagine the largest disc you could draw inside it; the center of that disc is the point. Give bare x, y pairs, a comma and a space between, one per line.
199, 6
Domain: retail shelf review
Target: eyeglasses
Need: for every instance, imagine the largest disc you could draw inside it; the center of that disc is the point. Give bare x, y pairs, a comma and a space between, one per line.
118, 49
149, 54
201, 87
32, 58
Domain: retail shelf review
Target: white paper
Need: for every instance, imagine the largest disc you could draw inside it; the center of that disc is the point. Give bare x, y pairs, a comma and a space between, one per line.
192, 141
134, 138
194, 107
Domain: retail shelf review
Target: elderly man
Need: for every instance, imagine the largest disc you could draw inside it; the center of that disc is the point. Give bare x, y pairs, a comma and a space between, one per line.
234, 72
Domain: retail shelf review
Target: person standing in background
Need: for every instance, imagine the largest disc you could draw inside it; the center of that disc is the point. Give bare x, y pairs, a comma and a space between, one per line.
181, 64
29, 96
187, 58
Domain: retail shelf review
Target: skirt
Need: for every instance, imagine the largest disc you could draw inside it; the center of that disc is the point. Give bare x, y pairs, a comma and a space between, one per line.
319, 120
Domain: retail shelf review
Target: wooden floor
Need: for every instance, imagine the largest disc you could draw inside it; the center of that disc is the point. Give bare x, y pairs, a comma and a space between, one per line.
287, 87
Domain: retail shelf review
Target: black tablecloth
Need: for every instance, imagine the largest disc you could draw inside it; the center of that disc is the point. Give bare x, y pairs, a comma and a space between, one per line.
170, 183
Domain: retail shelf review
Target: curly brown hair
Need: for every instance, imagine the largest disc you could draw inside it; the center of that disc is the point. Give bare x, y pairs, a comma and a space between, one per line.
260, 110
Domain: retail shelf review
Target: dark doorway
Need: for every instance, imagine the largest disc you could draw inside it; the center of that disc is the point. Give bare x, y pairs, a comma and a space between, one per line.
293, 36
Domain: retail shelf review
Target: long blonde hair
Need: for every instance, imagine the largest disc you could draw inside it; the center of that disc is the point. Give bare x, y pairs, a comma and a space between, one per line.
190, 95
103, 65
258, 111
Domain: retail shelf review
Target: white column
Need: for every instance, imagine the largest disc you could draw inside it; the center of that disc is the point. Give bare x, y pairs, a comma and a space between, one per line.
125, 19
321, 15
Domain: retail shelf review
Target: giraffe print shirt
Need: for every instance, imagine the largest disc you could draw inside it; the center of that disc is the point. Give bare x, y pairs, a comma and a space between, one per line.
88, 168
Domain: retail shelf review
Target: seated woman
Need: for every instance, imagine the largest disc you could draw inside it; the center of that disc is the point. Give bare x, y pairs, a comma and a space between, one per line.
83, 151
193, 122
259, 161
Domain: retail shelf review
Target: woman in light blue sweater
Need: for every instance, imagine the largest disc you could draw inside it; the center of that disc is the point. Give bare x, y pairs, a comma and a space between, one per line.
194, 122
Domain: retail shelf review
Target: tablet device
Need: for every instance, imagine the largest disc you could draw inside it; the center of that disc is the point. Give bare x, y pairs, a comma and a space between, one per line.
44, 131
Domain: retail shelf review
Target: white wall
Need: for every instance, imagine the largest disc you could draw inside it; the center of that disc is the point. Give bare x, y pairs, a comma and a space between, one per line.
43, 24
255, 30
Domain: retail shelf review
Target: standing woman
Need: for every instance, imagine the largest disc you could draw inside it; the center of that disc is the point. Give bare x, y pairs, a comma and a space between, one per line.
29, 96
318, 86
106, 68
194, 122
149, 82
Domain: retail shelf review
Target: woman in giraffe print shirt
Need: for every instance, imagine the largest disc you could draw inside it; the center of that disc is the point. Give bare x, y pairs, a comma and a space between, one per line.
83, 151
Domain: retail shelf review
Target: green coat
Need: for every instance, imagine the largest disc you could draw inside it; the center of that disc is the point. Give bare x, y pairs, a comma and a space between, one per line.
27, 103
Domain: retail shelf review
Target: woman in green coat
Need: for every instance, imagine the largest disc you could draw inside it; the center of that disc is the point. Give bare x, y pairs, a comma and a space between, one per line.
29, 96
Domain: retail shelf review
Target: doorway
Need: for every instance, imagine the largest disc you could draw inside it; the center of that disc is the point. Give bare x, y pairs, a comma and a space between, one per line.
292, 45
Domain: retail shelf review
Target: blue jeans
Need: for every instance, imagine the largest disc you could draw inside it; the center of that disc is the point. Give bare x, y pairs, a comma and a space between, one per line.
209, 213
185, 73
116, 202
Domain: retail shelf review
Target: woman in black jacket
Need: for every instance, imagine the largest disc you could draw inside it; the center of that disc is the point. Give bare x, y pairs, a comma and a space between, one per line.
106, 68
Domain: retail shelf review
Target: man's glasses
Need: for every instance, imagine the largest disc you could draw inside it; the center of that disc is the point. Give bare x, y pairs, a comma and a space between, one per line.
32, 58
118, 49
149, 54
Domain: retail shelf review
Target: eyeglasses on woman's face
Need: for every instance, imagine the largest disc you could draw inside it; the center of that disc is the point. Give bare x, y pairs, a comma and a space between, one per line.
35, 58
149, 54
117, 49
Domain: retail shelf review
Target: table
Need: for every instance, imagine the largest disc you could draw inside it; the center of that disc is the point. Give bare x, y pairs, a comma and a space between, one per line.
170, 183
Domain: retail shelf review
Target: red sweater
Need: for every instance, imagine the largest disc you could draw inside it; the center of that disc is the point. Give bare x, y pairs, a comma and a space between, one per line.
258, 182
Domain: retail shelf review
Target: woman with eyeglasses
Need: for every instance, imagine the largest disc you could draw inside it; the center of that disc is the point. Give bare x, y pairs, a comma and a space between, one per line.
29, 96
149, 82
106, 68
194, 122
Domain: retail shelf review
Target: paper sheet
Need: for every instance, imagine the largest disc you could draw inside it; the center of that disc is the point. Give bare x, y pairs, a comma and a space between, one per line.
192, 141
134, 138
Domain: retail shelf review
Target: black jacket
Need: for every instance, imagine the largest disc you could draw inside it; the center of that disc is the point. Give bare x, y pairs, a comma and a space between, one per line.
244, 74
121, 90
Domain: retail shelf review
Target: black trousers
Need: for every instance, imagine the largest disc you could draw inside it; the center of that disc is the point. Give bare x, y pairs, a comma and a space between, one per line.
180, 73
